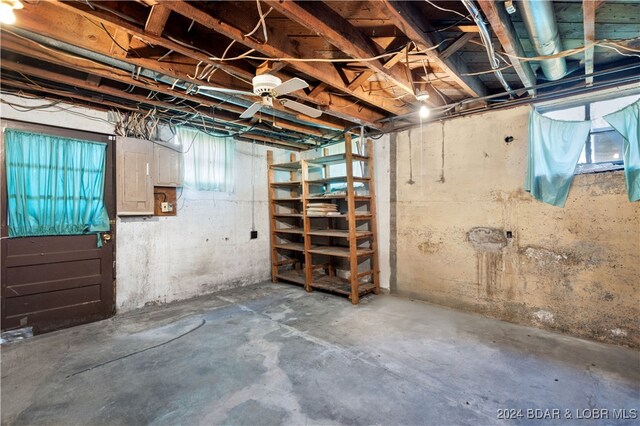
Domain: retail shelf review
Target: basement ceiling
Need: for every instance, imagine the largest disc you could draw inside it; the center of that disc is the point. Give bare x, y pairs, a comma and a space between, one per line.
367, 63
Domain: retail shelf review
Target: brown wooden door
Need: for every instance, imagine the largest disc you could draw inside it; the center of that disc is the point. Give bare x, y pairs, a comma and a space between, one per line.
58, 281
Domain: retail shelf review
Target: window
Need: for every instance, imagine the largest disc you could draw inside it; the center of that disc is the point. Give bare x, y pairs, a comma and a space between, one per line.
603, 148
208, 161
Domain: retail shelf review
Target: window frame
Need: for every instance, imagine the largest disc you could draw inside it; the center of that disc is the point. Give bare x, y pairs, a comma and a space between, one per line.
590, 167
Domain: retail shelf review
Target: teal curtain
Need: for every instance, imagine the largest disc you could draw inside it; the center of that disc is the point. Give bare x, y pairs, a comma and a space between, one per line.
55, 185
208, 160
627, 123
554, 151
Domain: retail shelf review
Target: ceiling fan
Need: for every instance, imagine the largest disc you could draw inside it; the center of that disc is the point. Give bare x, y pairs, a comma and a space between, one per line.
269, 87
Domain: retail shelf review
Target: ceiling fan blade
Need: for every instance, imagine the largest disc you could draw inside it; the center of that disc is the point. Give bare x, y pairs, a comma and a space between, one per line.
290, 86
224, 90
251, 111
301, 108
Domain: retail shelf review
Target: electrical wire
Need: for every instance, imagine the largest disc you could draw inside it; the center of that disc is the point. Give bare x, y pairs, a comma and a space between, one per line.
445, 9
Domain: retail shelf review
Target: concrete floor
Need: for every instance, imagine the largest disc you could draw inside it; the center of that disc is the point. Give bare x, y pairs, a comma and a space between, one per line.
271, 354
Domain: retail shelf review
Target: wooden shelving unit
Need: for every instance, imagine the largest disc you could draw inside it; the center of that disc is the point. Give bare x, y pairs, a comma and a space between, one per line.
336, 252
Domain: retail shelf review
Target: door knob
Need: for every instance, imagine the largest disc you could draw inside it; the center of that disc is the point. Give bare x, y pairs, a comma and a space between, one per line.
106, 237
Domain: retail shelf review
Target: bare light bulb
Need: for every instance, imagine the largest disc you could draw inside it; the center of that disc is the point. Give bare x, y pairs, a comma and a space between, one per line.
6, 14
424, 111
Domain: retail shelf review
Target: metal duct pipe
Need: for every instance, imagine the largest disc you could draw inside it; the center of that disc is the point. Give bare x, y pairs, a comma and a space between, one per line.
540, 20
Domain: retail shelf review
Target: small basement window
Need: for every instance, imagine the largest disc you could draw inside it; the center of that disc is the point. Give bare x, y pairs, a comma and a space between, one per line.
603, 148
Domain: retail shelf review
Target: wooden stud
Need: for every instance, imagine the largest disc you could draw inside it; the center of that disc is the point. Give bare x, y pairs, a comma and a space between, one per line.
306, 226
373, 222
272, 218
589, 18
351, 213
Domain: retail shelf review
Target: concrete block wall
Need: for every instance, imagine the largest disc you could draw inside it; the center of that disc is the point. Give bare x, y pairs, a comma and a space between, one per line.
457, 190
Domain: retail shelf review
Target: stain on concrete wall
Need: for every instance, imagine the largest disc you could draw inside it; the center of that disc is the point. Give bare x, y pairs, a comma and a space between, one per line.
574, 269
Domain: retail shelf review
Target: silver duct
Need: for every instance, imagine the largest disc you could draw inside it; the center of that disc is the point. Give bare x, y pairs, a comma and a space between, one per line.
540, 21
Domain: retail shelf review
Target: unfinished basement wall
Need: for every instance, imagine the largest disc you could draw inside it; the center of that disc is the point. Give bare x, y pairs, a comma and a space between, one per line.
459, 190
205, 248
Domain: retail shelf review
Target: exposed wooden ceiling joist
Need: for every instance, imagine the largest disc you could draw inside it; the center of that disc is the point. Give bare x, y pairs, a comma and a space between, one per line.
589, 18
112, 92
328, 24
70, 28
457, 44
278, 47
414, 26
157, 19
503, 28
97, 70
341, 108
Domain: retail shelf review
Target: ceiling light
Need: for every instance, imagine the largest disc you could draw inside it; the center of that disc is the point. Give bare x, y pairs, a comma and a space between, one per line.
6, 14
424, 111
422, 96
6, 10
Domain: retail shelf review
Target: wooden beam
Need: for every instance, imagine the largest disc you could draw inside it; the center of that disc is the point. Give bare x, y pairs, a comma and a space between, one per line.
466, 28
397, 57
250, 137
320, 87
98, 71
360, 79
457, 44
270, 67
123, 25
91, 102
589, 19
503, 28
415, 26
157, 19
278, 46
338, 107
91, 78
342, 34
68, 27
110, 91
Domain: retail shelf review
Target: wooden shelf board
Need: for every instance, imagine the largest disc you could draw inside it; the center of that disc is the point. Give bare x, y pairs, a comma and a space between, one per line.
339, 233
298, 231
336, 179
340, 197
295, 165
293, 275
291, 246
335, 159
344, 216
288, 215
338, 251
288, 183
339, 285
287, 199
